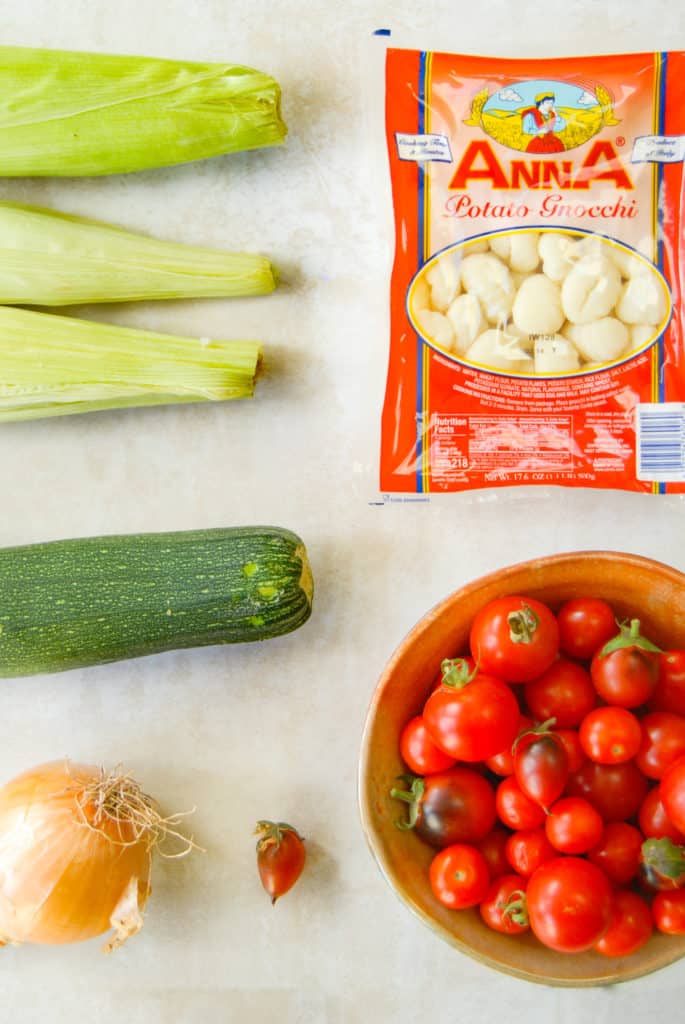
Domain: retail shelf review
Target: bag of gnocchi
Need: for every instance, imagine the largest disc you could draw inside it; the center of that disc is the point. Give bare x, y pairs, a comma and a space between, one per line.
536, 321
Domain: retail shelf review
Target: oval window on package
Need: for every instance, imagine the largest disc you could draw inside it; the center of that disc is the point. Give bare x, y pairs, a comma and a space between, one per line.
539, 302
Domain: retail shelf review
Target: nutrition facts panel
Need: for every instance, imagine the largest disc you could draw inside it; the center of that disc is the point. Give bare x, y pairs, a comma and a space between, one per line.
514, 443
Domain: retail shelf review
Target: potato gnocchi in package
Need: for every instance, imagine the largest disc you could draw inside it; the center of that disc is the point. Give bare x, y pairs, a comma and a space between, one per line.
537, 327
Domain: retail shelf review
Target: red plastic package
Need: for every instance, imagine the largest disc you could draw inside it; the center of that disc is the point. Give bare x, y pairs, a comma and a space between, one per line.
536, 321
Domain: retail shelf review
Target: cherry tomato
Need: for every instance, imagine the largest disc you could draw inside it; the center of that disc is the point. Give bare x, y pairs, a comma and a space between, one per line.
514, 808
653, 820
494, 848
514, 638
615, 790
630, 926
625, 677
624, 672
668, 911
573, 825
471, 717
669, 692
540, 765
527, 849
585, 625
574, 751
662, 864
672, 791
281, 856
459, 876
504, 907
419, 751
610, 735
663, 742
618, 852
569, 904
456, 806
564, 692
503, 763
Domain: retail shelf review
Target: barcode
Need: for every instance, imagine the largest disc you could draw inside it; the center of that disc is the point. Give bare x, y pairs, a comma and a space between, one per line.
660, 442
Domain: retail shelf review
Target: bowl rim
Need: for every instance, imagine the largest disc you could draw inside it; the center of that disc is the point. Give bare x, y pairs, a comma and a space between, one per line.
371, 832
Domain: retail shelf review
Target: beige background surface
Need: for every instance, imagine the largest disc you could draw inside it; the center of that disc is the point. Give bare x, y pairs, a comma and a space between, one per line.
273, 730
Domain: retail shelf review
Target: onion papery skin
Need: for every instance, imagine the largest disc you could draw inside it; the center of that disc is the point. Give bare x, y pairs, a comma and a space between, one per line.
60, 881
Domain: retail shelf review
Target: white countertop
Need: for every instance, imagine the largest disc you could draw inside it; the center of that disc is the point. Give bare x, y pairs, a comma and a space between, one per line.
274, 730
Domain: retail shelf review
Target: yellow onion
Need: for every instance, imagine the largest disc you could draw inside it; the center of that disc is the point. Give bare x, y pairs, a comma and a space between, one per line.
76, 847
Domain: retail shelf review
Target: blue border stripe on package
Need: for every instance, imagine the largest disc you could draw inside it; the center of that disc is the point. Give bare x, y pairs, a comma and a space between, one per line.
663, 62
660, 206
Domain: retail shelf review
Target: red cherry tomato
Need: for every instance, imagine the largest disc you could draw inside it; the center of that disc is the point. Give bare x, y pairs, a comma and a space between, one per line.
653, 820
569, 904
663, 742
281, 857
527, 849
615, 790
459, 876
456, 806
514, 638
624, 672
672, 792
471, 717
514, 808
585, 625
419, 751
668, 911
564, 692
494, 849
626, 677
618, 852
503, 763
630, 926
540, 765
504, 907
610, 735
574, 751
669, 692
573, 825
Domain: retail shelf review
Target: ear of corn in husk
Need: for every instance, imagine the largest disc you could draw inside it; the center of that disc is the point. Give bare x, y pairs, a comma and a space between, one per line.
54, 365
66, 113
49, 258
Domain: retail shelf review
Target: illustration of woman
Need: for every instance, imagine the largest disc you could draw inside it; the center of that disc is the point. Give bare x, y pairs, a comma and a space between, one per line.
541, 122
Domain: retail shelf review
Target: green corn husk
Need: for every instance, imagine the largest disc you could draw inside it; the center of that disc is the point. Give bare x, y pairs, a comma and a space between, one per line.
56, 365
49, 258
68, 113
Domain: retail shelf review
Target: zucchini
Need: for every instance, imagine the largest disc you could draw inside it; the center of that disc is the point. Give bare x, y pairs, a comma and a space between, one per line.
71, 603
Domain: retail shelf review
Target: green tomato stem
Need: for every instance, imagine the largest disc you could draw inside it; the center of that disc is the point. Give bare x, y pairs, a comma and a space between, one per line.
629, 636
455, 673
411, 797
516, 908
271, 833
535, 730
522, 625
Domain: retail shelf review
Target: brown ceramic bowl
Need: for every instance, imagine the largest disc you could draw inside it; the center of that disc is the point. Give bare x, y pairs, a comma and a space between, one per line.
634, 586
